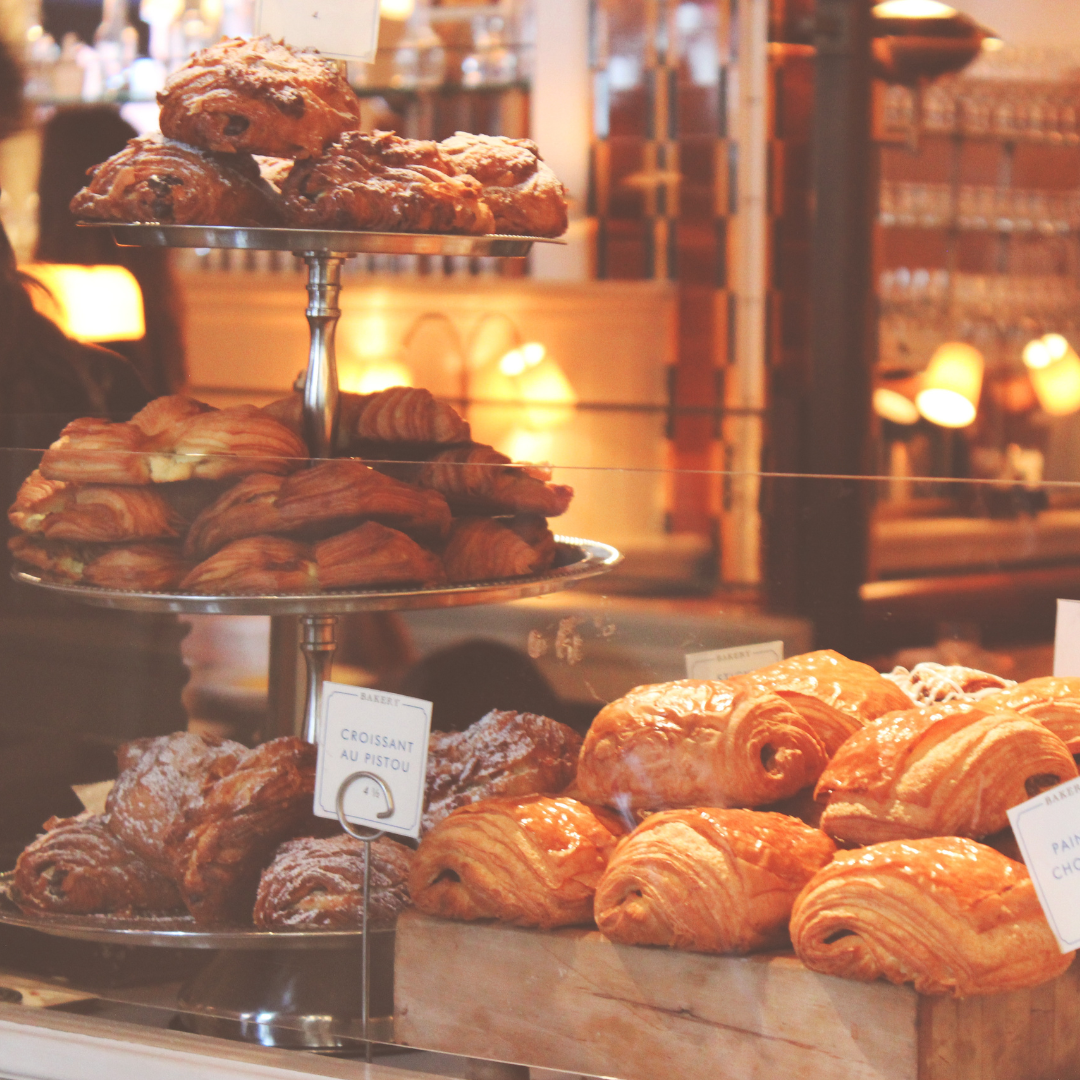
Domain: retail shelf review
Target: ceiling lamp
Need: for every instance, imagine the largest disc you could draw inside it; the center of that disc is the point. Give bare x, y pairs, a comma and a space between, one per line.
916, 40
90, 303
1054, 369
891, 405
951, 385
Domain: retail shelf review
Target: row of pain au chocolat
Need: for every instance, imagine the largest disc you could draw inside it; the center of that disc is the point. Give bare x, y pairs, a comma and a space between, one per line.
184, 497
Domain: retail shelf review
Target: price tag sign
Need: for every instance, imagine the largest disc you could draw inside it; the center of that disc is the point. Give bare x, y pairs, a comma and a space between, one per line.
345, 29
368, 731
1067, 638
738, 660
1047, 829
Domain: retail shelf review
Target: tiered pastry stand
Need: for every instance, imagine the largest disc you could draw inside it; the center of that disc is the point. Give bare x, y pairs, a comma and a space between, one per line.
324, 252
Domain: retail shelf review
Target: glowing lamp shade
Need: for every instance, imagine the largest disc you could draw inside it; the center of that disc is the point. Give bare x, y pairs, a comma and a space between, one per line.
91, 303
398, 10
528, 376
951, 385
892, 405
374, 376
1054, 368
913, 9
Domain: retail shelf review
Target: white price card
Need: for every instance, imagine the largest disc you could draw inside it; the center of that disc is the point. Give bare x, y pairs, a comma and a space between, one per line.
345, 29
1047, 829
367, 731
738, 660
1067, 638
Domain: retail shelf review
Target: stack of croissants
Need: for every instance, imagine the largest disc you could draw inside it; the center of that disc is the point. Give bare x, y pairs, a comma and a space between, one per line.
860, 817
185, 497
255, 133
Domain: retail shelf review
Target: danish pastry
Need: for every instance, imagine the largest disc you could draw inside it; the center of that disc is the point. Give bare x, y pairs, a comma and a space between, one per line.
714, 881
320, 882
504, 753
834, 694
1054, 701
947, 770
936, 684
260, 97
524, 194
137, 567
534, 861
486, 549
948, 915
154, 179
377, 181
687, 743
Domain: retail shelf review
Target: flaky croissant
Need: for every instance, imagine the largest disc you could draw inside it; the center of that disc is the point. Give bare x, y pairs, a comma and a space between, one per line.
946, 770
715, 881
372, 554
688, 743
255, 565
1054, 701
402, 414
138, 567
946, 914
531, 861
486, 549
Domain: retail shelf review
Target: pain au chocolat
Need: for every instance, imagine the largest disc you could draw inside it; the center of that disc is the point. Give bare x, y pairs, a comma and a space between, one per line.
691, 743
709, 880
946, 770
532, 861
1054, 701
946, 914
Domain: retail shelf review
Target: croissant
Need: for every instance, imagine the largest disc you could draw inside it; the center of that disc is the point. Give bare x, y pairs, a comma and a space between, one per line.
260, 565
480, 480
93, 451
485, 549
79, 868
949, 770
533, 861
688, 743
320, 882
946, 914
372, 554
248, 508
714, 881
932, 684
402, 414
163, 413
92, 513
834, 694
1054, 701
137, 567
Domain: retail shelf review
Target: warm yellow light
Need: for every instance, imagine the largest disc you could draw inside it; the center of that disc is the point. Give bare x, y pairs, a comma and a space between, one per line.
519, 360
1056, 345
369, 336
892, 405
992, 44
549, 393
398, 10
92, 303
1037, 355
1057, 380
913, 9
952, 384
372, 377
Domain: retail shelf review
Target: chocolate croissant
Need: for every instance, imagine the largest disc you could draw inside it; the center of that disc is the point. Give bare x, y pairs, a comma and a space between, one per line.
837, 696
534, 861
948, 770
1054, 701
156, 179
487, 549
136, 567
688, 743
714, 881
948, 915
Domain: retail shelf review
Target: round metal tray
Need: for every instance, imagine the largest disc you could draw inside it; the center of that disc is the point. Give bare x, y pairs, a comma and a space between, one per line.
580, 559
318, 240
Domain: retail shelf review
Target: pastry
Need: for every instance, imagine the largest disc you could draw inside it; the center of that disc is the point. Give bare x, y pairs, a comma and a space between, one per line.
945, 770
715, 881
373, 554
260, 97
78, 867
503, 753
92, 513
688, 743
932, 684
137, 567
154, 179
486, 549
480, 480
248, 508
1054, 701
525, 196
837, 696
402, 414
381, 182
945, 914
93, 451
255, 565
164, 413
317, 881
532, 861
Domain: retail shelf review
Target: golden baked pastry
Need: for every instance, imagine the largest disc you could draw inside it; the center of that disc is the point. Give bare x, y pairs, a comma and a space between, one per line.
480, 480
836, 695
319, 881
248, 508
714, 881
93, 451
255, 565
373, 554
92, 513
504, 753
164, 413
935, 684
138, 567
533, 861
945, 914
154, 179
525, 196
79, 868
688, 743
258, 96
382, 182
945, 770
486, 549
1054, 701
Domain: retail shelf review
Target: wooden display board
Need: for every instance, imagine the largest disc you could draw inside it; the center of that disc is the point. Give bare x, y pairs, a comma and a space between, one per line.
571, 1000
